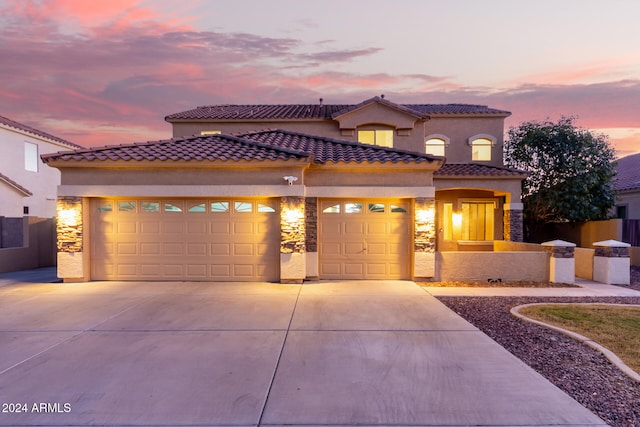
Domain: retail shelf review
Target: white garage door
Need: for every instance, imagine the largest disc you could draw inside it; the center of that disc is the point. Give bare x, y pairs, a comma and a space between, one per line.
364, 239
217, 240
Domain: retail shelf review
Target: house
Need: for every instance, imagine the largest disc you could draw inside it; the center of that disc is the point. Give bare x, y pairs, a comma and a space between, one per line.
236, 202
627, 186
28, 193
478, 199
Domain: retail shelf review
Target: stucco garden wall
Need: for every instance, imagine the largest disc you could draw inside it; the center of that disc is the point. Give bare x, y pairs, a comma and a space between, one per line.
39, 252
584, 263
635, 256
482, 266
508, 246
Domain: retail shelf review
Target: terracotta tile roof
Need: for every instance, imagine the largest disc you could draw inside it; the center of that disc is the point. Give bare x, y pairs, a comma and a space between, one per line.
628, 173
206, 147
334, 150
324, 111
15, 185
476, 170
260, 145
11, 123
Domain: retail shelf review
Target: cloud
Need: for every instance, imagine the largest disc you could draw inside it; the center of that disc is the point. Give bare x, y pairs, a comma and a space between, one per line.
109, 74
340, 55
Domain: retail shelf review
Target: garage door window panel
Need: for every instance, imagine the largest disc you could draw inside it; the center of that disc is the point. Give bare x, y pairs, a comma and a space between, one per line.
197, 207
173, 207
150, 207
126, 206
105, 207
266, 208
219, 207
243, 207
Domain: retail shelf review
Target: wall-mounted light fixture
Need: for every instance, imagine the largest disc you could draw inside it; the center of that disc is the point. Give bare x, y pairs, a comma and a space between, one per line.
292, 215
69, 217
425, 215
456, 219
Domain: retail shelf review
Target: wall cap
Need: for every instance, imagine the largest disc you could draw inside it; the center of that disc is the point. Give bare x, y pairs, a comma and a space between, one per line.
559, 243
612, 244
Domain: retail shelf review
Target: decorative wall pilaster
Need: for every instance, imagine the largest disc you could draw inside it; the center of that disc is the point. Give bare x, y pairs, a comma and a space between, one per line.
513, 225
70, 239
292, 239
292, 225
69, 226
424, 238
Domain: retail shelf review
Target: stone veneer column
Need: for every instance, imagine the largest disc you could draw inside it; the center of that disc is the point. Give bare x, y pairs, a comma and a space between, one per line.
424, 238
292, 240
611, 262
311, 230
513, 222
562, 264
70, 236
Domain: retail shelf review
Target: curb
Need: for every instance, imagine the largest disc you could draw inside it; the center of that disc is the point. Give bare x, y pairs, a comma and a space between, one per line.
581, 338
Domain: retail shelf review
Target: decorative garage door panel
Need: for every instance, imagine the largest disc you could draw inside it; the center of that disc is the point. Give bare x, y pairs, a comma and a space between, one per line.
364, 239
235, 240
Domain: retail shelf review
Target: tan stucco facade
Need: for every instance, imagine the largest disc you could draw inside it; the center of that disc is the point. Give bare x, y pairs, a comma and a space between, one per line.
85, 182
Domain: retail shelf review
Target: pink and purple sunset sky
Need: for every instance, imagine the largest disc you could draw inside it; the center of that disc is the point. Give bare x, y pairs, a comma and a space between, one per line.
105, 72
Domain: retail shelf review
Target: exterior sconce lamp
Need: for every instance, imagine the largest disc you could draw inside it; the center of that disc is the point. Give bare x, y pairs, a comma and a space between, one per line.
425, 215
292, 215
68, 217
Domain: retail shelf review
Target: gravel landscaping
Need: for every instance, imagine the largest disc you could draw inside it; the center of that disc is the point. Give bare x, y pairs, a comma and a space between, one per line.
582, 372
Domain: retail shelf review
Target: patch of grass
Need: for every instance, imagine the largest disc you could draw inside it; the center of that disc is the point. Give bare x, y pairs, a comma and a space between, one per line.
615, 327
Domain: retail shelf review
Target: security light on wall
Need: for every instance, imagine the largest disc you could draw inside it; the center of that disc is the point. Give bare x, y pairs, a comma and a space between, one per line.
291, 179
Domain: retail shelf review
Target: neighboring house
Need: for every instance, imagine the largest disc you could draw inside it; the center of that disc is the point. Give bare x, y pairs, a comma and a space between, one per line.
288, 205
28, 188
627, 186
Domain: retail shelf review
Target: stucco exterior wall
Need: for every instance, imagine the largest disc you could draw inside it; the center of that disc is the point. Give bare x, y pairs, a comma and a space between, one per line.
313, 127
180, 175
631, 200
410, 131
482, 266
367, 175
42, 183
460, 129
510, 188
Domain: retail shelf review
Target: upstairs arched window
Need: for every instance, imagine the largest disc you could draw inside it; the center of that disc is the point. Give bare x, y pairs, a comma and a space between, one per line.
481, 147
436, 145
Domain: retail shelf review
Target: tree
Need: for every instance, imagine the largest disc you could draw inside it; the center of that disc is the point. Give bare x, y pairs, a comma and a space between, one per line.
570, 171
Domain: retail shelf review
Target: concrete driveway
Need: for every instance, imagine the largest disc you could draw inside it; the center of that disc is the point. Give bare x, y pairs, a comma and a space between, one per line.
247, 354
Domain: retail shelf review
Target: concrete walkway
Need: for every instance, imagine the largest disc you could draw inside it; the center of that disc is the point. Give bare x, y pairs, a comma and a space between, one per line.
586, 288
247, 354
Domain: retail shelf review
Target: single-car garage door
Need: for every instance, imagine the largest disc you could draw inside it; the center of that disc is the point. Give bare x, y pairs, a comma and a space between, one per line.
184, 239
364, 239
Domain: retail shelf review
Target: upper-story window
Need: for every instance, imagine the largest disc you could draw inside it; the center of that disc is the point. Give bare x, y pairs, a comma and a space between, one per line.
210, 132
436, 145
31, 157
481, 146
381, 137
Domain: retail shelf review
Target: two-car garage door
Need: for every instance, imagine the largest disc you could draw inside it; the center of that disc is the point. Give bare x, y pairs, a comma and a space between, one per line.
185, 239
239, 239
